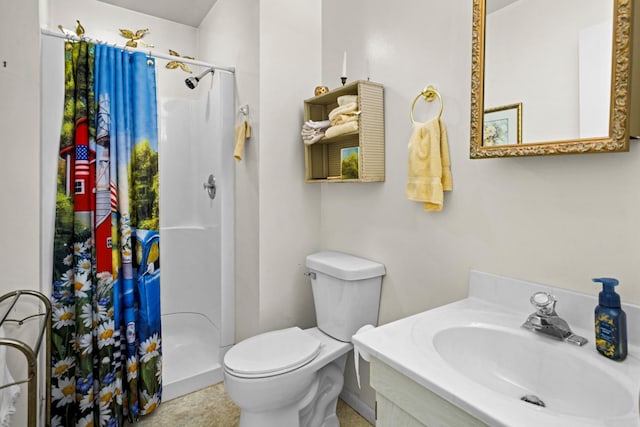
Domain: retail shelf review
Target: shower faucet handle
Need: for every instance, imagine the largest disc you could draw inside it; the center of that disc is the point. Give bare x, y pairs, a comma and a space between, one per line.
210, 186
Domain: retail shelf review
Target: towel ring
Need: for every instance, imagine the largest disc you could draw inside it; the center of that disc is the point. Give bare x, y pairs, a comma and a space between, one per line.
429, 94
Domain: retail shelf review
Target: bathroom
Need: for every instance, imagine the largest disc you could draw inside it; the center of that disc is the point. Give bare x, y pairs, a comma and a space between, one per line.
559, 220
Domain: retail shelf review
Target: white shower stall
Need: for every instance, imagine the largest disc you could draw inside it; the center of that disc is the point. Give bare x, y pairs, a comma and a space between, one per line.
195, 142
196, 232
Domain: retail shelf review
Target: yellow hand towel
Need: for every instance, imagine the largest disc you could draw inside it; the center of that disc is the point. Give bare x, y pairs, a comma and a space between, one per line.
429, 165
242, 132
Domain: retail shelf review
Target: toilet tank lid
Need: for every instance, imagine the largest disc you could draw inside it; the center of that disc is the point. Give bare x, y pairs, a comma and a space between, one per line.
344, 266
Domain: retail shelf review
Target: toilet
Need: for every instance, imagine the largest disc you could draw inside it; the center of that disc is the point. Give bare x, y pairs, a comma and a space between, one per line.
292, 377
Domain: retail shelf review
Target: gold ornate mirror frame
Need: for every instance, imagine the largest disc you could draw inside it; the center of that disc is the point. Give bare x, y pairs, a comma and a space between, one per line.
618, 138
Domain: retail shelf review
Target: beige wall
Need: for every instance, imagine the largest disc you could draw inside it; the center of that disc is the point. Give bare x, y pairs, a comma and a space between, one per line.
556, 220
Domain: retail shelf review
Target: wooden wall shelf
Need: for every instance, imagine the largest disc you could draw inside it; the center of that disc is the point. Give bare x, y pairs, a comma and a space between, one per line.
322, 159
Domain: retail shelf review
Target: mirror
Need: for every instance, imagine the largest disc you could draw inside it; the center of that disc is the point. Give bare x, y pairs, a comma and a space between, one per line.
546, 82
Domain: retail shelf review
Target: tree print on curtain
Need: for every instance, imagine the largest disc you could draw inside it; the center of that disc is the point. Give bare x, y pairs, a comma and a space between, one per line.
106, 352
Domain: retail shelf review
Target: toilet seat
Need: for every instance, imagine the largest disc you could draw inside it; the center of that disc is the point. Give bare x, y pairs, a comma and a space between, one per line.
272, 353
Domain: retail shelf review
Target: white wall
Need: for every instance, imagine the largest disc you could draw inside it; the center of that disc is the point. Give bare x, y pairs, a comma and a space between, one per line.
20, 169
230, 35
381, 223
19, 162
289, 213
277, 60
549, 94
595, 75
556, 220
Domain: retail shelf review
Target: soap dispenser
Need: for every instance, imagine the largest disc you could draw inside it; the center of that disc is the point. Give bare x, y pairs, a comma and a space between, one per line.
610, 322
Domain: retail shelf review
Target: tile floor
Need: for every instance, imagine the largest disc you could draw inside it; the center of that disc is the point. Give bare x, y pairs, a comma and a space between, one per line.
211, 407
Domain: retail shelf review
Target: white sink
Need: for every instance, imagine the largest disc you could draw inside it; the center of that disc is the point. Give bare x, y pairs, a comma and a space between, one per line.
475, 354
513, 364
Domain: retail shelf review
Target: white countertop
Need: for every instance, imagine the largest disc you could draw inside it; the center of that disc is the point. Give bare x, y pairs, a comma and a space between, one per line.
498, 302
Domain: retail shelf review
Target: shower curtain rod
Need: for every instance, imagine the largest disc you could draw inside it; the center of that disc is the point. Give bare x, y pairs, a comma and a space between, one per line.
61, 35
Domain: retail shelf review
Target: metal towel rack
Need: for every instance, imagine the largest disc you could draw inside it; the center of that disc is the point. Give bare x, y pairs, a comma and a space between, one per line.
429, 93
31, 354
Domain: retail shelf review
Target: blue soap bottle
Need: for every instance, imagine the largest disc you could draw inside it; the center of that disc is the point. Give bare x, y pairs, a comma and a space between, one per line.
610, 322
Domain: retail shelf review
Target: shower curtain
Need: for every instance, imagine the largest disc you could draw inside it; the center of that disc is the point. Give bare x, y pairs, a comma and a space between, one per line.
106, 340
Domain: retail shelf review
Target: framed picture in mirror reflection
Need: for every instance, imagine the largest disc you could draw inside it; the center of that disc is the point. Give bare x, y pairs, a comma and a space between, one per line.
502, 125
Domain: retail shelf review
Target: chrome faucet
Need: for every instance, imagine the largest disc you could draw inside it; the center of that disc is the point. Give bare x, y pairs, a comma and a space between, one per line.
546, 321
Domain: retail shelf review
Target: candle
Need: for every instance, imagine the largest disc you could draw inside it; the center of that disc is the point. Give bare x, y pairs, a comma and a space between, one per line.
344, 65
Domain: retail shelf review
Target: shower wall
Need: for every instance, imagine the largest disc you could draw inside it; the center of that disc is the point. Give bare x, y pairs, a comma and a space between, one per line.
196, 140
190, 221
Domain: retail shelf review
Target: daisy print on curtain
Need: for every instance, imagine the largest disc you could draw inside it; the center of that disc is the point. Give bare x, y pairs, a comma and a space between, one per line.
106, 351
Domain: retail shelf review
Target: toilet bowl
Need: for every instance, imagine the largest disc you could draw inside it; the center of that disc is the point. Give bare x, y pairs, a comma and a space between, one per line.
277, 400
293, 377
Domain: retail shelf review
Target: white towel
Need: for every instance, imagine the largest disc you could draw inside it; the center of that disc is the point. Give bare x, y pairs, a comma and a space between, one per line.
313, 131
317, 125
8, 395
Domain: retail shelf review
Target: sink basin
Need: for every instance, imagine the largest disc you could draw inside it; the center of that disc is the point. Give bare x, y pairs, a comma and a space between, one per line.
474, 354
516, 363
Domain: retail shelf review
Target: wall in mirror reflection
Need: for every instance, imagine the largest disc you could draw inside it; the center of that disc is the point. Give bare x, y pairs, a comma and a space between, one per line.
554, 57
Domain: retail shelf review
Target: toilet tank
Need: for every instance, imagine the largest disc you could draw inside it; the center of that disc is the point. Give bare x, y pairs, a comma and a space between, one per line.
346, 292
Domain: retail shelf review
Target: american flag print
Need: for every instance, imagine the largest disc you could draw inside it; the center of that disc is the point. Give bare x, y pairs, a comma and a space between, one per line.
82, 160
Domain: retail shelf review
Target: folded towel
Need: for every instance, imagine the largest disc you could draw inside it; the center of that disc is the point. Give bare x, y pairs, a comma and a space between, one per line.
9, 394
343, 109
429, 165
317, 125
242, 132
347, 99
313, 131
341, 129
313, 139
344, 118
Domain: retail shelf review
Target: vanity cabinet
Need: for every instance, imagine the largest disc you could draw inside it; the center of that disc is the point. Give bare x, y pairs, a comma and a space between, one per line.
401, 402
322, 160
